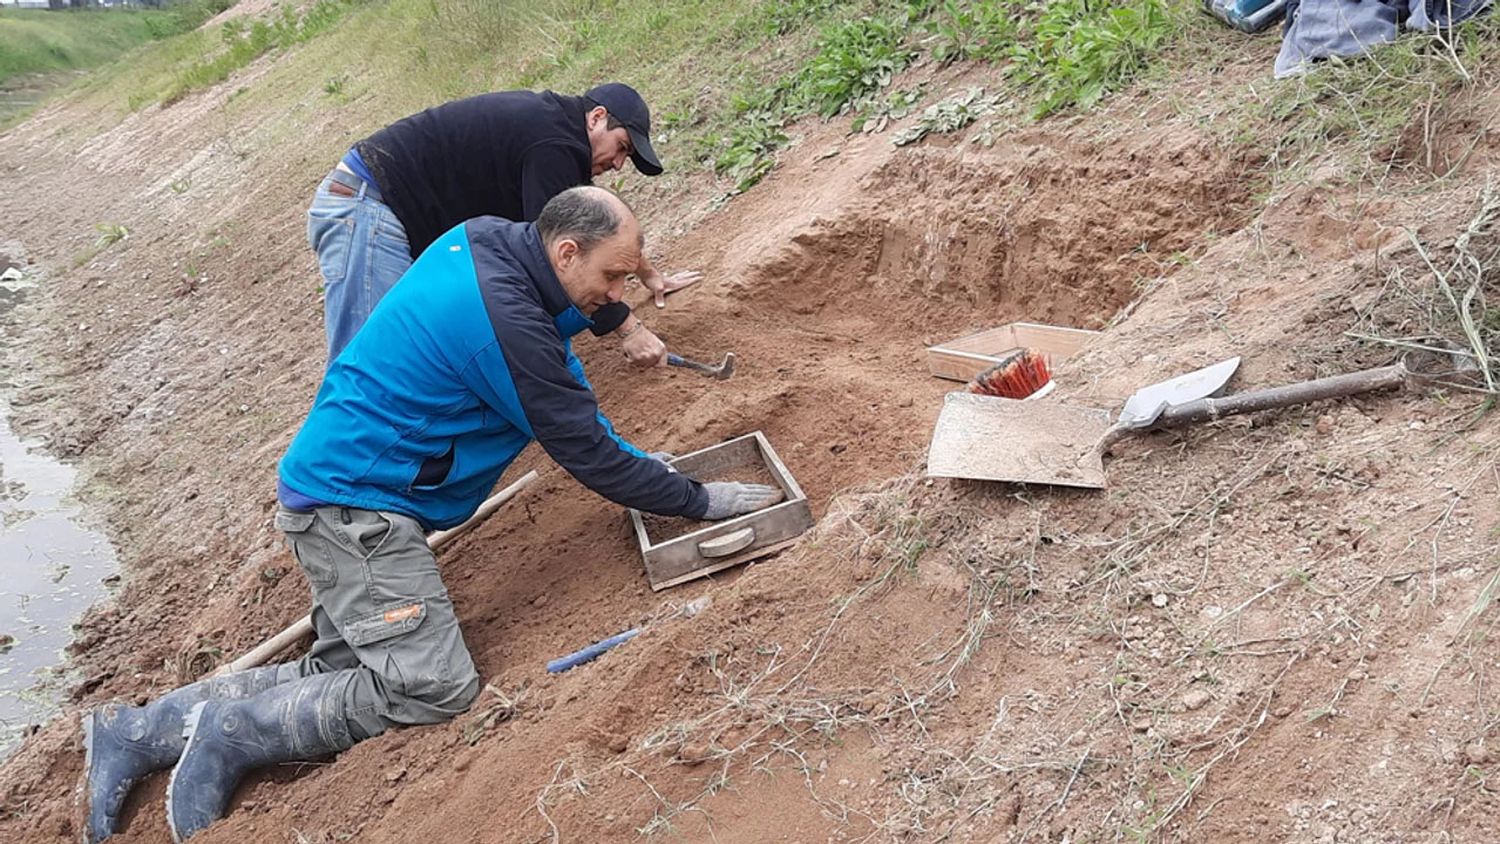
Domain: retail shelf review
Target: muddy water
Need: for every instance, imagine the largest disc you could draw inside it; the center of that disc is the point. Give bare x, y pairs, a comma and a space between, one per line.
52, 567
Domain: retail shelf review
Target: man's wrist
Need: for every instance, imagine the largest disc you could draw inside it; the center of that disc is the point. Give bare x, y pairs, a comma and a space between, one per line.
629, 327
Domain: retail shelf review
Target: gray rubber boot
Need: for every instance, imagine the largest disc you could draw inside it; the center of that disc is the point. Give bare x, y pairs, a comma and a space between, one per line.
122, 744
228, 739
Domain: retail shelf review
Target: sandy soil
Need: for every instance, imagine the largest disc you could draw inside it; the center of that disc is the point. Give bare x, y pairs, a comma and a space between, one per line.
1258, 632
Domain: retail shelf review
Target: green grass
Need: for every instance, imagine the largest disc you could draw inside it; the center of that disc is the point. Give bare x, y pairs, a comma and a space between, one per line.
724, 78
45, 41
245, 41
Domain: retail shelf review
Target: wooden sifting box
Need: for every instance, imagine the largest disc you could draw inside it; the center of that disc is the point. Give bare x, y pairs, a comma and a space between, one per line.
962, 359
670, 561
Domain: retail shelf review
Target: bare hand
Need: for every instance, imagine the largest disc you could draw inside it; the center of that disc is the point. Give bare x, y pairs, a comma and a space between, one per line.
643, 348
660, 286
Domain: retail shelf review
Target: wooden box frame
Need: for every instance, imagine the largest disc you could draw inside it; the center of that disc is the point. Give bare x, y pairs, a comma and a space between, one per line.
962, 359
732, 541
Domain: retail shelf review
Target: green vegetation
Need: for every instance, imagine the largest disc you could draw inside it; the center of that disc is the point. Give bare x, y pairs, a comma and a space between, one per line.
724, 78
984, 30
244, 41
1075, 52
950, 115
44, 41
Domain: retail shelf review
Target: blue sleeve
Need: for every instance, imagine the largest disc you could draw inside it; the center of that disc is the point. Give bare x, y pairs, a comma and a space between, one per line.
576, 367
535, 381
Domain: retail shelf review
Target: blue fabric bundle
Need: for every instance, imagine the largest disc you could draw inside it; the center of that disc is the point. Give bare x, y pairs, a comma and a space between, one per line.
1317, 29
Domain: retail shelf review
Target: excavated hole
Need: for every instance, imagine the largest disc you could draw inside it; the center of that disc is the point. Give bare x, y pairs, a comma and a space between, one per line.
832, 321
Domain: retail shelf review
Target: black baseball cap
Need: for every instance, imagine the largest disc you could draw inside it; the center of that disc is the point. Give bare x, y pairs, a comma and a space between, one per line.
625, 105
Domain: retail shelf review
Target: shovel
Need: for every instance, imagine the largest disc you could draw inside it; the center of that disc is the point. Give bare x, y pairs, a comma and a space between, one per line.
988, 438
722, 371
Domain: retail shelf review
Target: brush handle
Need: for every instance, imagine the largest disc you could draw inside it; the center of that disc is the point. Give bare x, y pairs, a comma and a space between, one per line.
1332, 387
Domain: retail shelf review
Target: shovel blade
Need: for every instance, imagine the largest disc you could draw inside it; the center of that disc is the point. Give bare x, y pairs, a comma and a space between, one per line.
1142, 408
1035, 442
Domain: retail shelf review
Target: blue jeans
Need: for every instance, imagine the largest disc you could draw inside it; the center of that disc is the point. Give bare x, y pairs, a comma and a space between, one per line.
362, 253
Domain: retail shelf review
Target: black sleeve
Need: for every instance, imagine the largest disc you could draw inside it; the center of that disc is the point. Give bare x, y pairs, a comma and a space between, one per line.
562, 414
609, 318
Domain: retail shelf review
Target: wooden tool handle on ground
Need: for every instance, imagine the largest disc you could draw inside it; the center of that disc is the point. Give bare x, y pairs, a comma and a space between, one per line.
1332, 387
262, 653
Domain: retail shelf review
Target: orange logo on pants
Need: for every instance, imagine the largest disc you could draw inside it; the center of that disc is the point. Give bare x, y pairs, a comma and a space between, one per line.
402, 613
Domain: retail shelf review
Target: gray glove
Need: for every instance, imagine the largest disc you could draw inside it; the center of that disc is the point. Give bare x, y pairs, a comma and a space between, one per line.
732, 498
665, 458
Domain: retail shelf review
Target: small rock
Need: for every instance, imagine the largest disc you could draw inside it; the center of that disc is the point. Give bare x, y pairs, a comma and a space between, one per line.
1159, 600
1324, 425
7, 642
1477, 754
695, 754
539, 601
395, 775
1196, 698
1281, 711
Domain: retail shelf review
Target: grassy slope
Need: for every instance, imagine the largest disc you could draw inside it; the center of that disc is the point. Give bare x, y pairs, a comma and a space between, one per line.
39, 41
722, 77
44, 41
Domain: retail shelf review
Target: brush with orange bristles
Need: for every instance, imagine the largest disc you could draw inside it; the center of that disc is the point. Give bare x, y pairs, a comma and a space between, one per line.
1016, 378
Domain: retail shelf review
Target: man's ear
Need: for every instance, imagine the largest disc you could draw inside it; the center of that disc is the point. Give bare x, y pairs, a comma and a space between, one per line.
565, 250
596, 117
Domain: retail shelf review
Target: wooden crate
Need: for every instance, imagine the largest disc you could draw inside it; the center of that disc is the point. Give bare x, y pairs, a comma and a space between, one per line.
962, 359
732, 541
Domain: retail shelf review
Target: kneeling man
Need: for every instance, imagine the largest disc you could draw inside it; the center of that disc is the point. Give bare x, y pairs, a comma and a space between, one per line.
413, 426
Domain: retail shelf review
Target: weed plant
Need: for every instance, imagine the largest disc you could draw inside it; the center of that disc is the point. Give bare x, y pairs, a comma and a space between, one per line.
1073, 52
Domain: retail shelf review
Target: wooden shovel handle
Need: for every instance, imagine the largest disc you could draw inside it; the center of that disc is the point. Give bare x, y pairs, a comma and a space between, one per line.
1332, 387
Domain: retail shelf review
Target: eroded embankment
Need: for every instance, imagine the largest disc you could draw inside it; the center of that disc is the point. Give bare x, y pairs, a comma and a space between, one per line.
827, 280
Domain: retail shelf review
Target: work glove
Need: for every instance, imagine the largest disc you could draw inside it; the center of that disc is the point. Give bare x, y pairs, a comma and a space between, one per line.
665, 458
727, 499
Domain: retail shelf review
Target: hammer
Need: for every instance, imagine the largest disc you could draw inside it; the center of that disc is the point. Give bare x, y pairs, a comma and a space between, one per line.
722, 371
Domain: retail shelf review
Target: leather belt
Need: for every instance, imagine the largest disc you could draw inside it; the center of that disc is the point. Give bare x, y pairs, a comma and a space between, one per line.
344, 183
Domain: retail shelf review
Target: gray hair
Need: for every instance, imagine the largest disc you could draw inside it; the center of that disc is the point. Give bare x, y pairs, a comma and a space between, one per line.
586, 215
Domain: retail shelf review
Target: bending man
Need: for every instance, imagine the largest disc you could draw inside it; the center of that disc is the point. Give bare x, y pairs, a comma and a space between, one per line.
501, 154
455, 373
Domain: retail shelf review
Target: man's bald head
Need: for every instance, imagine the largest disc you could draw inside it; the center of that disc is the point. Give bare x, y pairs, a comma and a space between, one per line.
587, 215
593, 241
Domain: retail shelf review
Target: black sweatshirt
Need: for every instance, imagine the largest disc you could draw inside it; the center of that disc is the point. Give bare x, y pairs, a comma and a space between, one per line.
502, 154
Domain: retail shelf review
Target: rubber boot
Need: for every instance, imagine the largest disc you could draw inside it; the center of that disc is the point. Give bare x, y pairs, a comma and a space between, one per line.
228, 739
122, 744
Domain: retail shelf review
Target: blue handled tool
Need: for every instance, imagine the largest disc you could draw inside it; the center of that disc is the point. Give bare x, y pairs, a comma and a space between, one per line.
590, 653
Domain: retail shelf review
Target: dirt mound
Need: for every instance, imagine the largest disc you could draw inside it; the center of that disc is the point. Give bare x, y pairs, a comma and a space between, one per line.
1042, 229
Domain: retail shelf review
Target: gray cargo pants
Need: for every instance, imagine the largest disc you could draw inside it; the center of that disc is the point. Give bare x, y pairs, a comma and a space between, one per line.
379, 606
